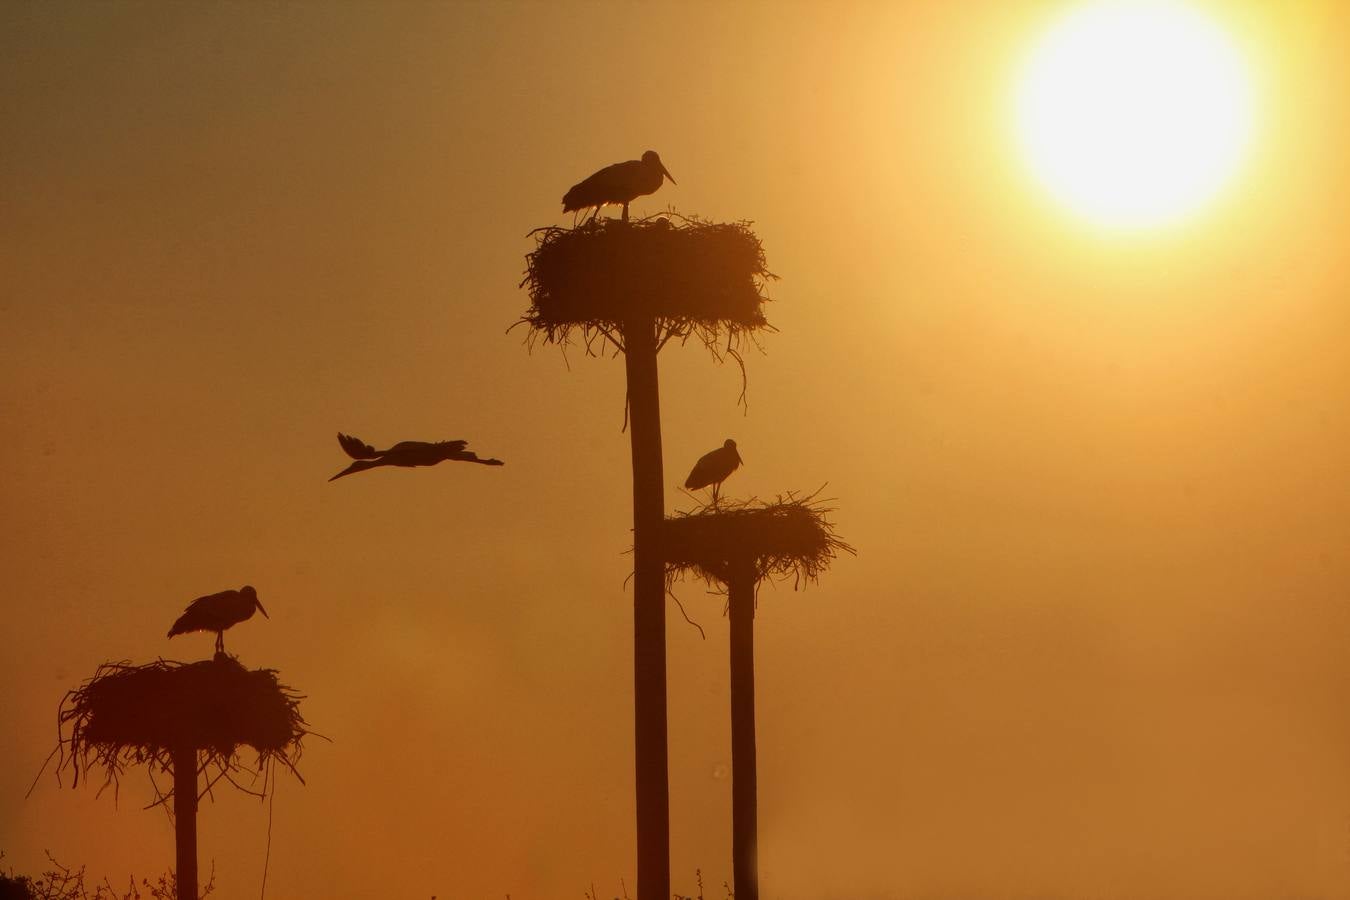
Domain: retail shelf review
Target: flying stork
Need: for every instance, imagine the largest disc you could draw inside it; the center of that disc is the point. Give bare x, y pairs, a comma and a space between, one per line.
406, 453
216, 612
619, 183
714, 468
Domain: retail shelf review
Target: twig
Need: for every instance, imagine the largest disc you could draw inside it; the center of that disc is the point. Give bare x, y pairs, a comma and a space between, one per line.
671, 593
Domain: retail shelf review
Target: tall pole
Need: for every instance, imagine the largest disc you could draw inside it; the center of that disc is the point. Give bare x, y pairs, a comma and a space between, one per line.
649, 612
744, 778
185, 820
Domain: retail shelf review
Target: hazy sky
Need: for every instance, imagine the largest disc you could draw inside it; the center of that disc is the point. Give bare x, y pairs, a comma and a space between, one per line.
1093, 641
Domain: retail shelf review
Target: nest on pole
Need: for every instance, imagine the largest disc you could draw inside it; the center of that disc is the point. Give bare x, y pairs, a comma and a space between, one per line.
127, 714
789, 536
695, 279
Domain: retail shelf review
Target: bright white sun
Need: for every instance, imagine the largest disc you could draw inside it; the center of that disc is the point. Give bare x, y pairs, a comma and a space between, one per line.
1134, 112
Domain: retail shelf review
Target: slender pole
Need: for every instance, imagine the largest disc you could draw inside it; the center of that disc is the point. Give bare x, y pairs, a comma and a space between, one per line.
185, 820
649, 613
744, 778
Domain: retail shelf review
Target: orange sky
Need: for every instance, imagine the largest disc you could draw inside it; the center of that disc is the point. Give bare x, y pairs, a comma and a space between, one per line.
1092, 644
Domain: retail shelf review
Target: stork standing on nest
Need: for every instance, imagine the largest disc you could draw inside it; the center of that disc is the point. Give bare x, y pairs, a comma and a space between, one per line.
620, 183
406, 453
216, 612
714, 468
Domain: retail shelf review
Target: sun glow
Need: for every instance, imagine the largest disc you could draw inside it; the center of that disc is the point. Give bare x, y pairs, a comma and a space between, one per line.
1134, 114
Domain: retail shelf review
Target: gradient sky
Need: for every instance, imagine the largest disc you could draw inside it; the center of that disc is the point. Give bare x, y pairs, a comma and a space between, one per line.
1093, 641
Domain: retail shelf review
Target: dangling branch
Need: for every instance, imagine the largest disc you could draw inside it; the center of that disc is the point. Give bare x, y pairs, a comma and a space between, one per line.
671, 594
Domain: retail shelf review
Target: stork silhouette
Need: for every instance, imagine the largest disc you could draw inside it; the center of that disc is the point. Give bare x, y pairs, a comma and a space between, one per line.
217, 612
713, 468
406, 453
619, 183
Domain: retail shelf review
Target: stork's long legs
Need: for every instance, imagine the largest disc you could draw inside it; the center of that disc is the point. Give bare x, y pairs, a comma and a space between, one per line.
716, 485
220, 642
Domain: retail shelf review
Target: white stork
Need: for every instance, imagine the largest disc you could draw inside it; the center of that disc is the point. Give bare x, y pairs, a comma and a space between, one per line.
406, 453
619, 183
216, 612
714, 468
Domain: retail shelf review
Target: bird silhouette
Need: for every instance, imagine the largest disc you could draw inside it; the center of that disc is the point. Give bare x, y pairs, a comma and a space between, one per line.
619, 183
713, 468
406, 453
216, 612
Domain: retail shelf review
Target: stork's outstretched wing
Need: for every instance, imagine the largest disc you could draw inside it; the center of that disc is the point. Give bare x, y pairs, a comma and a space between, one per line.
414, 447
460, 452
355, 448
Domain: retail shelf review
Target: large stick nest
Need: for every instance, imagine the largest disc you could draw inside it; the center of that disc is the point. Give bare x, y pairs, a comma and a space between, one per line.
128, 714
790, 536
694, 278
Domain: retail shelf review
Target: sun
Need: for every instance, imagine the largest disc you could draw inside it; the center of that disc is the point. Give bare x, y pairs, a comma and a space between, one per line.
1134, 113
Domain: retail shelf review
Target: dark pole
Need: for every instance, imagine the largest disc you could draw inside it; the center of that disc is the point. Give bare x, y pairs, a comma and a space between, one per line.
185, 820
649, 612
744, 779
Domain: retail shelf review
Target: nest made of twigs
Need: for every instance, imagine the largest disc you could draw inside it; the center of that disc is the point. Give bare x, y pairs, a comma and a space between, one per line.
127, 714
694, 278
789, 536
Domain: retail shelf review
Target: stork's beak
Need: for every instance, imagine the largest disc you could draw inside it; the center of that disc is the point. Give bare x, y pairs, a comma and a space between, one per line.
260, 608
667, 174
